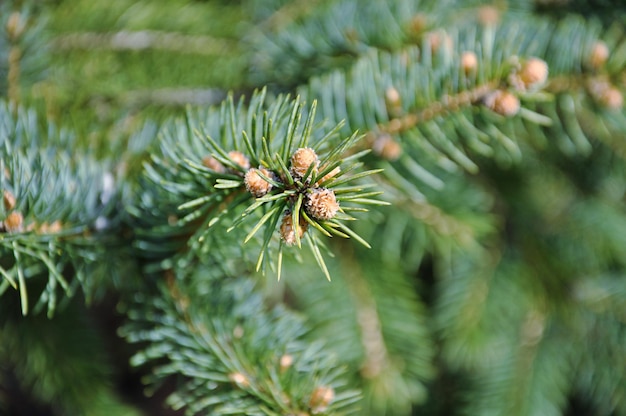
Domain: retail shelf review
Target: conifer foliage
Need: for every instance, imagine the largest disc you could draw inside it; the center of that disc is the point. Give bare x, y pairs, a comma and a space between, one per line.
333, 207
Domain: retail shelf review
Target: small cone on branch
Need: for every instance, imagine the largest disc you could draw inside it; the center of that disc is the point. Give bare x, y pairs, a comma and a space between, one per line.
321, 398
15, 26
240, 159
469, 62
611, 98
503, 103
386, 147
321, 204
534, 73
13, 222
488, 15
9, 200
599, 55
255, 184
287, 232
301, 160
213, 164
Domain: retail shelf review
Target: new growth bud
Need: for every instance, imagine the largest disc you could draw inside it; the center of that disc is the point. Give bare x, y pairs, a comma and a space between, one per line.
301, 160
287, 232
321, 204
240, 159
255, 184
503, 103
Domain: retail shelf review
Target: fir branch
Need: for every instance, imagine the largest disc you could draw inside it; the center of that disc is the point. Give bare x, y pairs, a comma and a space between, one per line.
218, 158
264, 371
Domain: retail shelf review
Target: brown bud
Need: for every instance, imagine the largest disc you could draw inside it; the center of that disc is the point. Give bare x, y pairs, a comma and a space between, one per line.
392, 97
440, 40
9, 200
418, 24
301, 160
599, 55
15, 26
386, 147
287, 231
213, 164
321, 398
13, 222
503, 103
286, 361
255, 184
239, 379
240, 159
469, 62
534, 72
53, 228
321, 204
488, 15
611, 98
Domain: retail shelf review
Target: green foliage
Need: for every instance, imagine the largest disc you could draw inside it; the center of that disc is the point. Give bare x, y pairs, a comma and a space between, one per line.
56, 212
493, 284
205, 171
219, 335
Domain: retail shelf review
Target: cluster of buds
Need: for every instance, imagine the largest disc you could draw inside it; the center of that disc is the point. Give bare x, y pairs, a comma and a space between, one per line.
14, 220
255, 184
531, 75
606, 94
215, 165
502, 102
318, 202
320, 399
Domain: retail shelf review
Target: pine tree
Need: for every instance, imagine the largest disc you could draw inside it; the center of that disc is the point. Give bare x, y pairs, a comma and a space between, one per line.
272, 207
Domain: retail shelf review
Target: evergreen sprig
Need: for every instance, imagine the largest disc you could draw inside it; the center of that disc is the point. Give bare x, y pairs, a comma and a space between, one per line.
218, 334
269, 163
52, 213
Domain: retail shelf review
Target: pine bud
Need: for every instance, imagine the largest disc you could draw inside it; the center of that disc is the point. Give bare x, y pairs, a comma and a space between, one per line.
440, 40
287, 232
611, 98
53, 228
9, 200
15, 26
240, 159
286, 361
418, 23
386, 147
239, 379
321, 204
606, 94
321, 397
469, 62
488, 15
599, 55
13, 222
503, 103
213, 164
301, 160
255, 184
393, 101
534, 72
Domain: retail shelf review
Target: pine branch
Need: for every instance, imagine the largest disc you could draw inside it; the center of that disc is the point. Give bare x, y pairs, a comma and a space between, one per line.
218, 332
54, 210
207, 172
